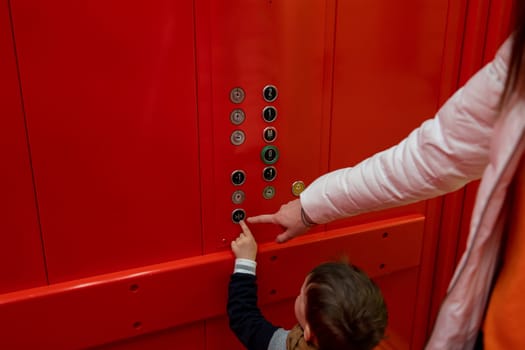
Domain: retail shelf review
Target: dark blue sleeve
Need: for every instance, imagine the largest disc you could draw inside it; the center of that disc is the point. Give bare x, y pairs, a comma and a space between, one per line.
246, 320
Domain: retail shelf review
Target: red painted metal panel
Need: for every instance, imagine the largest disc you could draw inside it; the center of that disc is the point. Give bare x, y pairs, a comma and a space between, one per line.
192, 336
394, 66
388, 65
21, 259
152, 298
498, 27
252, 44
110, 97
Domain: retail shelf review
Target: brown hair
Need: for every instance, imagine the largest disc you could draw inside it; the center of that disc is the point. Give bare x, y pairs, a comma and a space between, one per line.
515, 77
344, 308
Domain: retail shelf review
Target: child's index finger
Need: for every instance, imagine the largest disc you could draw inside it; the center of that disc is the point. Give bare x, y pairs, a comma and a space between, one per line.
245, 228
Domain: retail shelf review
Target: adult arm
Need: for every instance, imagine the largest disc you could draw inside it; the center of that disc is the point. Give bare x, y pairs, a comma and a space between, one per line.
440, 156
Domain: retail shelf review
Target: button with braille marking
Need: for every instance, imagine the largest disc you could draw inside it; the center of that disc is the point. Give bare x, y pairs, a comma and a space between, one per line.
238, 197
297, 188
237, 138
269, 173
270, 93
269, 154
238, 177
269, 192
237, 95
237, 116
269, 114
238, 215
270, 134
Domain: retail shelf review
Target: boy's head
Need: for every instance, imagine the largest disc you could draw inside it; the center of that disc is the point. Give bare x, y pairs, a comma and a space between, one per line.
340, 307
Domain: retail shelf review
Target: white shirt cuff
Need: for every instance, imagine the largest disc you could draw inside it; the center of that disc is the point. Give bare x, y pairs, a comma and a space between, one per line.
245, 266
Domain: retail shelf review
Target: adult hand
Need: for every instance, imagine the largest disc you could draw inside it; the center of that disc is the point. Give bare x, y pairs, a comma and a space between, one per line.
288, 216
245, 246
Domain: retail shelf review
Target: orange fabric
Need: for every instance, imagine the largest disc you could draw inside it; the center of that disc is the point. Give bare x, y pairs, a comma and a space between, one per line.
505, 318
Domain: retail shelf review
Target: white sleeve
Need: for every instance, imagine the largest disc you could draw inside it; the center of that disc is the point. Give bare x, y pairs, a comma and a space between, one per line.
440, 156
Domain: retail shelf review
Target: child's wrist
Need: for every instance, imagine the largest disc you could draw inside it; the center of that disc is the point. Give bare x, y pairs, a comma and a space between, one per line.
243, 265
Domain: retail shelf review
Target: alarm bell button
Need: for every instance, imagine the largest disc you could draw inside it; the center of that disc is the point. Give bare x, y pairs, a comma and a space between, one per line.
297, 188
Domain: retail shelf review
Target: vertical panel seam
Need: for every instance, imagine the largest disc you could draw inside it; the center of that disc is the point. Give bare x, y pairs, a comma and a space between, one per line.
26, 130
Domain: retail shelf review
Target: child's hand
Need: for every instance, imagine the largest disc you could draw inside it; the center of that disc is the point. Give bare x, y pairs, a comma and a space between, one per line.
245, 246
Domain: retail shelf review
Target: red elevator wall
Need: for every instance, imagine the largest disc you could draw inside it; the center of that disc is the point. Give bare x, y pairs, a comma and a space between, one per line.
21, 258
137, 115
387, 74
112, 121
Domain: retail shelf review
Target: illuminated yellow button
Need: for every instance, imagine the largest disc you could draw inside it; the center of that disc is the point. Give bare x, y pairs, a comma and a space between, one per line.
297, 188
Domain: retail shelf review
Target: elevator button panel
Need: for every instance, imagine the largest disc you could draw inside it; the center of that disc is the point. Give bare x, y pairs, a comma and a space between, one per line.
269, 154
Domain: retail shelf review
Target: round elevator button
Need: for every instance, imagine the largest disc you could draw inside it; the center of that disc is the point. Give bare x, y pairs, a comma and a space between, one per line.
269, 173
238, 215
269, 114
237, 138
269, 192
297, 188
238, 197
269, 154
269, 134
270, 93
237, 95
238, 177
237, 116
